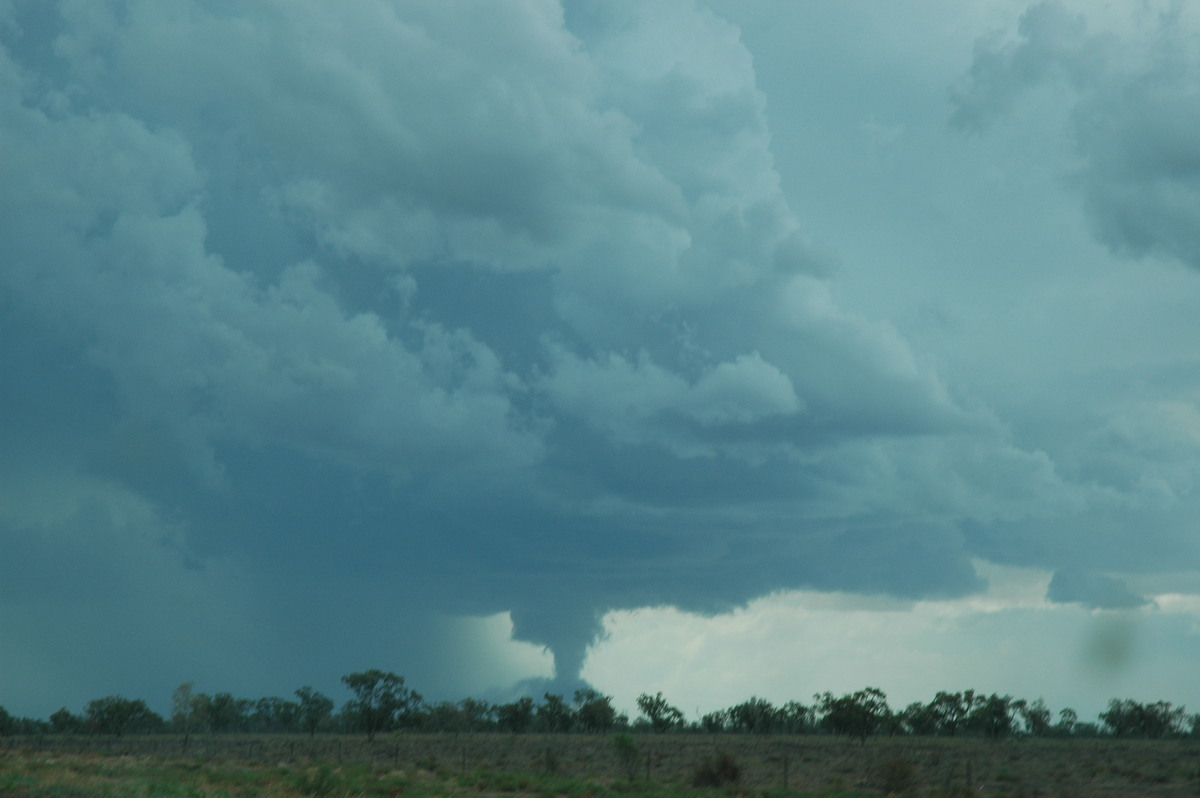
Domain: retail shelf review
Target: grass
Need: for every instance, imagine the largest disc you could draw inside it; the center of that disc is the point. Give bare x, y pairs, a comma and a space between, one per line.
583, 766
31, 775
27, 774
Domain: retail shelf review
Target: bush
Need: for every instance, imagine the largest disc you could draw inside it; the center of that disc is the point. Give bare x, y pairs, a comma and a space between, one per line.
717, 771
627, 753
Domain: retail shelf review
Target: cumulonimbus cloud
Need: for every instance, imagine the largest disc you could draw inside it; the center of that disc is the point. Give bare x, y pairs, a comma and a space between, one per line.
496, 309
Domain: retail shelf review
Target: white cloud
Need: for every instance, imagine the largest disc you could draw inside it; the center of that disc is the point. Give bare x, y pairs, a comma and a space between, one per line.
480, 655
1008, 640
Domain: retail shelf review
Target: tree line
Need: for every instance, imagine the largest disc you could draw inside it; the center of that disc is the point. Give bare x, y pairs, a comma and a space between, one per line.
382, 702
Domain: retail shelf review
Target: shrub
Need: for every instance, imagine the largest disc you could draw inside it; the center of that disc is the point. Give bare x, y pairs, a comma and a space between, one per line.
717, 771
627, 753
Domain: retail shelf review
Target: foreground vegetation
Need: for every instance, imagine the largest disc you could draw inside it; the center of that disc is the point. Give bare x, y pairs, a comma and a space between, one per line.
595, 766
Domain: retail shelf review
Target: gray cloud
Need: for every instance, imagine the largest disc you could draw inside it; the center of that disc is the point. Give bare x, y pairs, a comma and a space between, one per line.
1092, 590
1132, 109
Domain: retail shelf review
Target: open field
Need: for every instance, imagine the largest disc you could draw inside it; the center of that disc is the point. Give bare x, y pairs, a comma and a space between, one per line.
589, 765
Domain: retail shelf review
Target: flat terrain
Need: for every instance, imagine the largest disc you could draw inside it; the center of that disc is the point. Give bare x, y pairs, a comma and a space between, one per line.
590, 765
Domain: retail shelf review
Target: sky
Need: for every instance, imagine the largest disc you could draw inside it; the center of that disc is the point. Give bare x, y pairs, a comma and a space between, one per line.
718, 348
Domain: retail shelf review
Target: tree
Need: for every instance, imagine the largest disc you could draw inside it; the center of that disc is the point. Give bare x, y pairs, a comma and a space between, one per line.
756, 716
348, 718
919, 719
467, 715
661, 715
477, 715
8, 724
554, 715
515, 717
594, 711
315, 708
857, 714
443, 716
795, 718
224, 713
275, 714
202, 710
952, 710
243, 714
380, 699
1126, 717
1067, 718
994, 715
1037, 718
714, 722
116, 715
1193, 724
1161, 719
1123, 717
185, 709
65, 722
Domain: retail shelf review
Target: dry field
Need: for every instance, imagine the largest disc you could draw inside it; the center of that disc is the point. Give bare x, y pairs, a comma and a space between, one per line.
590, 765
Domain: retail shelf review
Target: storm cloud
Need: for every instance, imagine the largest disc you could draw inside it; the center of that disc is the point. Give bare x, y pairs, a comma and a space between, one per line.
344, 321
1131, 104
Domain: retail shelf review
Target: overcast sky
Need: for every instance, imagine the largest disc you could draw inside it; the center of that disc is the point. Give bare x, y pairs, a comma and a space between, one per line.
715, 347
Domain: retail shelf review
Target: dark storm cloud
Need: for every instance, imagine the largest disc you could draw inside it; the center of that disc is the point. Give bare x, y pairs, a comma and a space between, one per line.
419, 308
1133, 109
